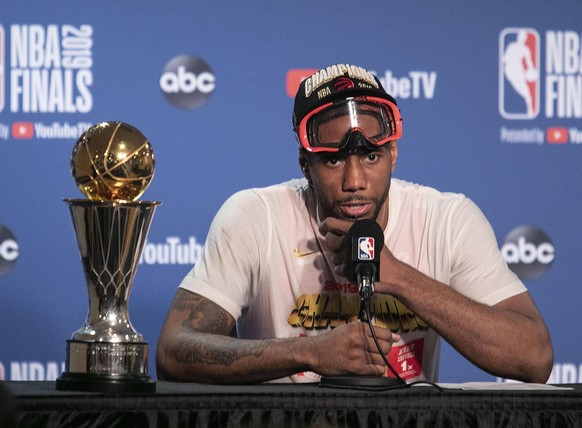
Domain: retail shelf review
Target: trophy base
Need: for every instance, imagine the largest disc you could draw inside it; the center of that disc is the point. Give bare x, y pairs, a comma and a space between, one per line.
103, 383
106, 367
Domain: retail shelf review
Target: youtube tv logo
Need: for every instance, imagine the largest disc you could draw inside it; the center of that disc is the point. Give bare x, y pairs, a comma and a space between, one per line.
557, 135
22, 130
294, 78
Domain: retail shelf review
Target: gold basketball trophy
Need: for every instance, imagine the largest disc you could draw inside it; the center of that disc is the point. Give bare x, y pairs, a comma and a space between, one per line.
113, 164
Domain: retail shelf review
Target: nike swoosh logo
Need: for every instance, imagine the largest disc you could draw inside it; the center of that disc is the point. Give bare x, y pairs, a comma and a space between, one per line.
299, 254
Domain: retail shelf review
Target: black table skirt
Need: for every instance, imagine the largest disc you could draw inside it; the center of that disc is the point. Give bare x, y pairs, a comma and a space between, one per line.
286, 405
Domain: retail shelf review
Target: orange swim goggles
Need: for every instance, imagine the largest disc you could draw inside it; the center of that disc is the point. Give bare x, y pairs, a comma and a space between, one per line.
328, 128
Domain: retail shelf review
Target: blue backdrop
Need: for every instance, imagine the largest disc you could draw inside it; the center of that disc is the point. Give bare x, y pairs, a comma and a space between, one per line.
490, 92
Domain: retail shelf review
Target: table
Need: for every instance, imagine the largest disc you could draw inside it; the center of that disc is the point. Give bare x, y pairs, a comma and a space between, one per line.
293, 405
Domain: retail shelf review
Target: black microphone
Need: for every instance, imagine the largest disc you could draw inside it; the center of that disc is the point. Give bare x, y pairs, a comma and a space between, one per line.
365, 241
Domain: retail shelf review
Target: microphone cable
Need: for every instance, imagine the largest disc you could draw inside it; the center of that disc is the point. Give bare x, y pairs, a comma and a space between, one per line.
366, 303
366, 291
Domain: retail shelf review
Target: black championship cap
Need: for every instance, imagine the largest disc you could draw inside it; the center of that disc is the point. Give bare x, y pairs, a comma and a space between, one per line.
339, 81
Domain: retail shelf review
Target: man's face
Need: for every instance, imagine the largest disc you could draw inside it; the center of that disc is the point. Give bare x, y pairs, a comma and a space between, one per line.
352, 185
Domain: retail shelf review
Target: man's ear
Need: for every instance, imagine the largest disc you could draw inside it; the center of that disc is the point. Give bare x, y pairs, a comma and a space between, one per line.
304, 164
394, 153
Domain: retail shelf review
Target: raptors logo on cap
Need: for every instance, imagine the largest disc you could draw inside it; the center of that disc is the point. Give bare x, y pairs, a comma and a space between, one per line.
343, 83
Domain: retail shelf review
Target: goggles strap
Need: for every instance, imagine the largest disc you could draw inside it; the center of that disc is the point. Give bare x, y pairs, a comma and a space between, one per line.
355, 140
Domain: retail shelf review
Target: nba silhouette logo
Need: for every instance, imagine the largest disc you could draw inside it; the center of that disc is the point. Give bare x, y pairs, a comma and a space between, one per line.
1, 68
365, 248
519, 73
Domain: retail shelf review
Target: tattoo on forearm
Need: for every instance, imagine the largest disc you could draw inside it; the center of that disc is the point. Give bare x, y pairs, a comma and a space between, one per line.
196, 346
205, 316
202, 350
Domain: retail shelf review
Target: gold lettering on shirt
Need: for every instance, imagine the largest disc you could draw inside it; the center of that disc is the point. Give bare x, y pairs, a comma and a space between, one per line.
316, 311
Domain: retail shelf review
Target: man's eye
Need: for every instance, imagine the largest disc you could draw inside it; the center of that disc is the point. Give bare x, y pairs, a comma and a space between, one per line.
330, 160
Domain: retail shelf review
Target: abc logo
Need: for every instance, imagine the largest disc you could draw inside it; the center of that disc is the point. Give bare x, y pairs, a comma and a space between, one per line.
187, 82
8, 250
528, 251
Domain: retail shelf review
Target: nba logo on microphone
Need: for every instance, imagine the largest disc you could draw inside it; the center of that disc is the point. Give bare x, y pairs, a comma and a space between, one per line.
519, 73
365, 248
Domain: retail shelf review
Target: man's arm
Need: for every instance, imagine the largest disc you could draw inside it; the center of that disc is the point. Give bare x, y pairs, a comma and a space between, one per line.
194, 346
509, 339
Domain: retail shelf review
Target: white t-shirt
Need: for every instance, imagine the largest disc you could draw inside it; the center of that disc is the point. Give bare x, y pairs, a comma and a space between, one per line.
263, 263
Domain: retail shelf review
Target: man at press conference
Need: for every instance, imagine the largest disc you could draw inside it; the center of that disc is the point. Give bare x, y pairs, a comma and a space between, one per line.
276, 267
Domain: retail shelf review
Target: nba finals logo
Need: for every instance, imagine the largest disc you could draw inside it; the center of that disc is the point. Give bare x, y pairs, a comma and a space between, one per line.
519, 73
365, 248
51, 68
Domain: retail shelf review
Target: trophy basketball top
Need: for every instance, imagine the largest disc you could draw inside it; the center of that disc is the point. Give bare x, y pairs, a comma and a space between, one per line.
112, 161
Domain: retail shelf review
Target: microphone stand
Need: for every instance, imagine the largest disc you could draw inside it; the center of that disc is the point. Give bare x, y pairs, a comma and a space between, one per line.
366, 288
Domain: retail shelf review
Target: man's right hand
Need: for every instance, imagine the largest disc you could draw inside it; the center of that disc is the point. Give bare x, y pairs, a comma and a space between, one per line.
350, 349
